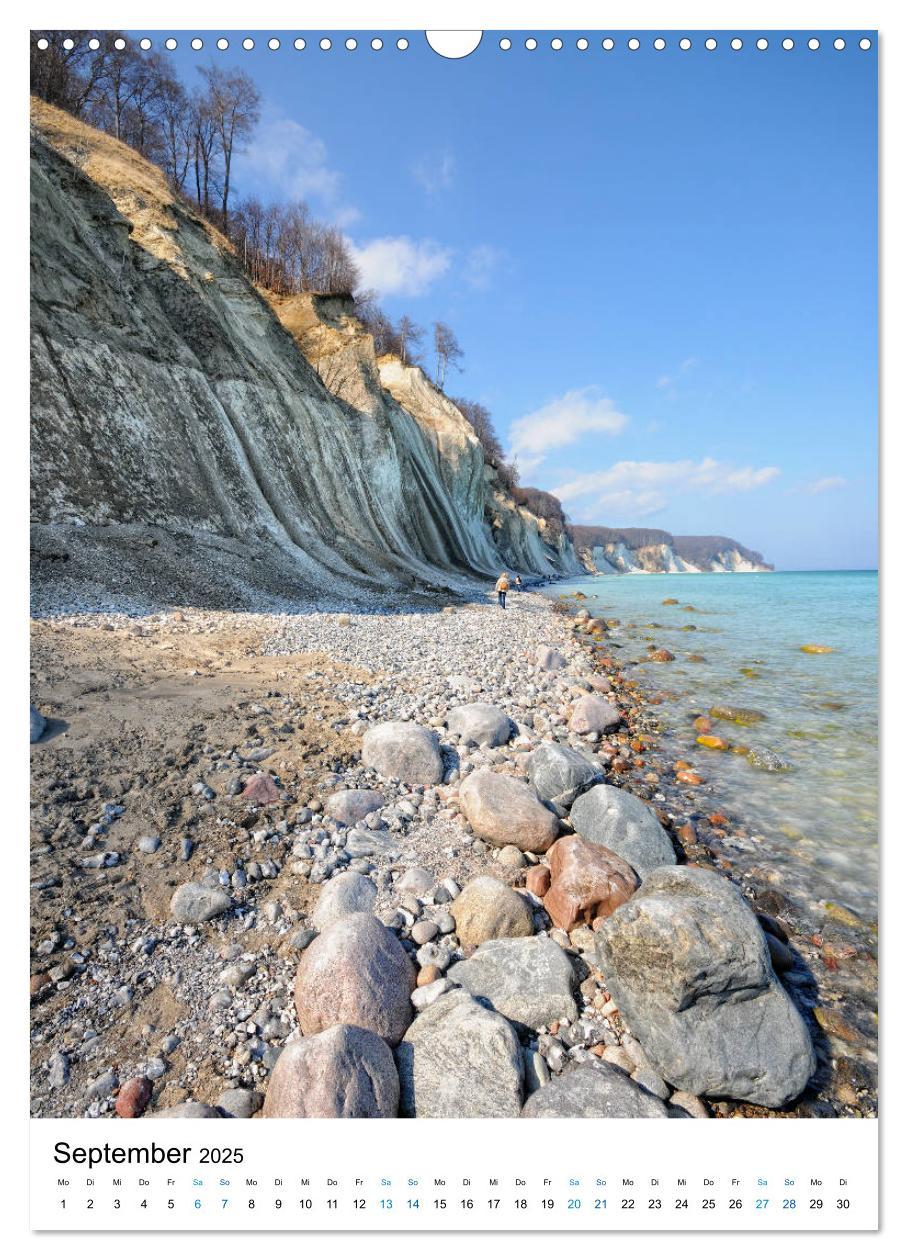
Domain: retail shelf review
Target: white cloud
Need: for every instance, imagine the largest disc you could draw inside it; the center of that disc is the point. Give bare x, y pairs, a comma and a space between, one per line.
294, 162
670, 379
824, 484
643, 486
481, 264
399, 264
562, 421
435, 173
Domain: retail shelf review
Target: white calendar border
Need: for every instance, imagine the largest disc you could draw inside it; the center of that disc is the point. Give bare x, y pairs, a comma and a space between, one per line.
407, 14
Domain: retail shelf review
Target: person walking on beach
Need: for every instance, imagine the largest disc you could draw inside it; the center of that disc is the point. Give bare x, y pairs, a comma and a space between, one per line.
502, 586
518, 585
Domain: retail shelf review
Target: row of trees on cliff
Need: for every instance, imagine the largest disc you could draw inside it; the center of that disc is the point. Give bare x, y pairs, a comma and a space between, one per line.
194, 136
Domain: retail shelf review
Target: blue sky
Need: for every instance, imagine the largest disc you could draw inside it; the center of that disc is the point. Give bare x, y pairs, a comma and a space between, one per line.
661, 265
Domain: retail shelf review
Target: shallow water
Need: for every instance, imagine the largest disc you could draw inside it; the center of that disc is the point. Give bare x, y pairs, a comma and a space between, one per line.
818, 822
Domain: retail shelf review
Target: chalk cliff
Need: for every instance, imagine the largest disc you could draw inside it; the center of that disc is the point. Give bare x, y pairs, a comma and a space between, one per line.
605, 550
172, 400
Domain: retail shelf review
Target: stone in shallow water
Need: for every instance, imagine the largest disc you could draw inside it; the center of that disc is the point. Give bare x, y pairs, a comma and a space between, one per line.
688, 965
621, 822
458, 1060
341, 1072
482, 723
348, 893
356, 972
588, 882
504, 810
593, 1091
530, 981
405, 751
487, 909
560, 773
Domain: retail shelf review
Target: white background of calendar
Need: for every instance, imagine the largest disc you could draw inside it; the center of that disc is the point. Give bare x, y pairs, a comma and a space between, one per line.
465, 14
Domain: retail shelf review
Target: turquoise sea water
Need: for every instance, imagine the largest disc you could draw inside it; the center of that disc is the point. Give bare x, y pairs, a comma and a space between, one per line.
817, 824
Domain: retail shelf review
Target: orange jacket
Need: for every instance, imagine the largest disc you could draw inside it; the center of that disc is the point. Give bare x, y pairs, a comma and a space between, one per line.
502, 584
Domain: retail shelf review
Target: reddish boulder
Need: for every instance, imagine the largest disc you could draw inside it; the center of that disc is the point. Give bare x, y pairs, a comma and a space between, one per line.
539, 879
261, 790
133, 1098
588, 882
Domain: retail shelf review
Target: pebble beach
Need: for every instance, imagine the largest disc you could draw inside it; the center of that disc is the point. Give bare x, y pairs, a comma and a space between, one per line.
429, 862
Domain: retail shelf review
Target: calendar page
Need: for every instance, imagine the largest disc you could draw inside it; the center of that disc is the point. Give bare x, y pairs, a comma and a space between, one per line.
453, 628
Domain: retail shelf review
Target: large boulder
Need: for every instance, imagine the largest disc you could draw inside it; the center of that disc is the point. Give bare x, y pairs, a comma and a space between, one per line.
197, 903
593, 1092
460, 1060
504, 810
351, 805
487, 909
343, 1071
619, 820
687, 963
348, 893
36, 724
560, 773
405, 751
529, 980
356, 972
482, 723
592, 715
588, 882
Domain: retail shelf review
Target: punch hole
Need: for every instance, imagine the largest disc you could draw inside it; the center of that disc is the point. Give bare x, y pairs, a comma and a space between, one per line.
274, 44
223, 44
350, 44
838, 44
813, 44
453, 44
762, 44
865, 44
196, 44
324, 44
557, 44
608, 44
685, 44
737, 44
712, 44
248, 44
788, 44
170, 44
659, 44
403, 44
633, 44
583, 44
504, 44
377, 44
94, 44
299, 44
530, 44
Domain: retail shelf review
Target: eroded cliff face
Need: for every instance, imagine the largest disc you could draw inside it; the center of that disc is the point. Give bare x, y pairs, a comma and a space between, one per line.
618, 557
168, 393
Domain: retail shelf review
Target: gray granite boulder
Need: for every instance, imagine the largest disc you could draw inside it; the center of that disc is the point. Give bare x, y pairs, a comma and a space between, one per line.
481, 723
460, 1060
623, 823
190, 1110
549, 658
351, 805
687, 963
593, 1092
487, 909
591, 715
560, 773
240, 1104
341, 1072
503, 810
356, 972
529, 980
405, 751
348, 893
197, 903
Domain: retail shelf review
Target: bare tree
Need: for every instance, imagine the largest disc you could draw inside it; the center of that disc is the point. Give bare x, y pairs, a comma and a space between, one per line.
68, 77
448, 353
204, 137
408, 335
177, 137
233, 103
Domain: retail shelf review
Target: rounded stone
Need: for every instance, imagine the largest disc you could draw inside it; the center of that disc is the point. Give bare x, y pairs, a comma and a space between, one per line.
488, 909
344, 1071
